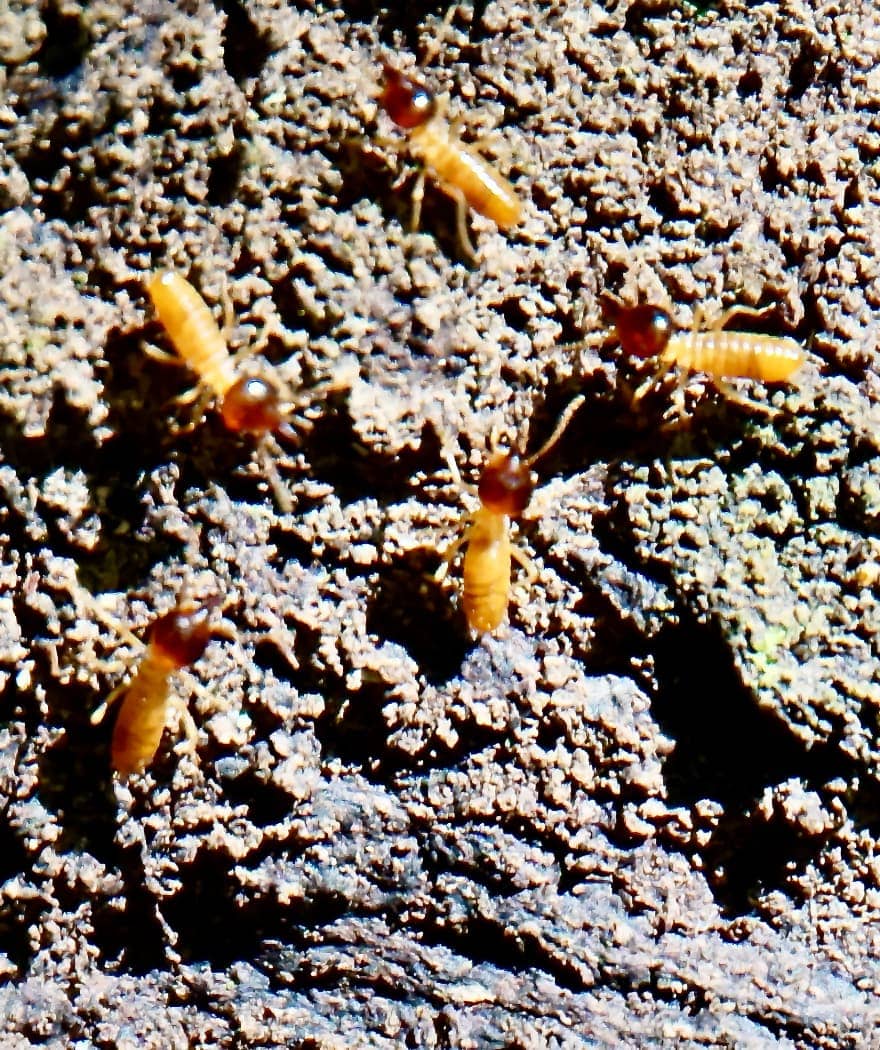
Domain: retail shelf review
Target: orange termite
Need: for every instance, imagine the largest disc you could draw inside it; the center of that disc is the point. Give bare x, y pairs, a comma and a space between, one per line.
248, 404
504, 490
459, 171
176, 640
647, 331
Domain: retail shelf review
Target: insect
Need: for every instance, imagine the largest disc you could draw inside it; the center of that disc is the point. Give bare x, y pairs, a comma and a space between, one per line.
248, 404
504, 490
176, 640
458, 170
646, 331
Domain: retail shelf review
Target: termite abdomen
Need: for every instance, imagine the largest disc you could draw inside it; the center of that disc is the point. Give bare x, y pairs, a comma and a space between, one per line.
739, 355
176, 640
192, 329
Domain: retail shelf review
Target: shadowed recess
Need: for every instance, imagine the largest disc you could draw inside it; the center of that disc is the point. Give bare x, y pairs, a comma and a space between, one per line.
66, 43
726, 748
407, 607
75, 775
267, 804
245, 47
216, 926
131, 930
749, 856
482, 940
338, 458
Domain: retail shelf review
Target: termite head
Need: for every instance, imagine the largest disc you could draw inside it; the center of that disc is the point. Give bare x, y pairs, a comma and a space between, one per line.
408, 102
506, 484
643, 330
183, 634
252, 406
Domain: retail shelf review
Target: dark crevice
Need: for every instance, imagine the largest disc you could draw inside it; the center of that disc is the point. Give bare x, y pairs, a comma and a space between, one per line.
134, 935
245, 47
407, 607
338, 457
480, 940
702, 703
66, 43
267, 805
225, 174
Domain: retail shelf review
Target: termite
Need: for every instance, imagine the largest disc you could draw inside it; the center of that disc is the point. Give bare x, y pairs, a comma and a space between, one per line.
459, 171
248, 404
647, 331
176, 640
505, 487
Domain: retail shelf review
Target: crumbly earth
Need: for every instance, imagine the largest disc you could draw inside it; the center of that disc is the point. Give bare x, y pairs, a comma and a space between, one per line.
646, 813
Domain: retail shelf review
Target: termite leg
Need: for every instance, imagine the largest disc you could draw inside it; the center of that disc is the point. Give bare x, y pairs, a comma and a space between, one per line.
461, 213
454, 472
84, 600
401, 179
675, 416
745, 311
198, 396
558, 430
732, 394
455, 546
97, 716
418, 195
165, 357
452, 549
191, 396
189, 745
518, 554
654, 380
249, 349
267, 450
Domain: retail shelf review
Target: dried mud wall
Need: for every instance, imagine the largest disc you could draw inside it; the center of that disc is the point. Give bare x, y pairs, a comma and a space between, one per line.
646, 813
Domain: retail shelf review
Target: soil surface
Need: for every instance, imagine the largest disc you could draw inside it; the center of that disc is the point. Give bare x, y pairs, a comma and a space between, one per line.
646, 811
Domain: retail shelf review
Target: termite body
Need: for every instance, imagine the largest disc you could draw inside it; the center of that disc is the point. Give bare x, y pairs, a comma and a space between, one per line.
248, 404
176, 640
458, 170
505, 487
647, 331
736, 355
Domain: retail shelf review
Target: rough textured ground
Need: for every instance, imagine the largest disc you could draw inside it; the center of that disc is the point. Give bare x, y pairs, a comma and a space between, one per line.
647, 813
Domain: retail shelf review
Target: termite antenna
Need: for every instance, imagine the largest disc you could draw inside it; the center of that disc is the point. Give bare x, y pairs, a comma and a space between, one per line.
558, 430
432, 48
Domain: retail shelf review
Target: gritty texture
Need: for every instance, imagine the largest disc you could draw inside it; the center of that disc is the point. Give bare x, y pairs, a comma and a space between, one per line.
646, 813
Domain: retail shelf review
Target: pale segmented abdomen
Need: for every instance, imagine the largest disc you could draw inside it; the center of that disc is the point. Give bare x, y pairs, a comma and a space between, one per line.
736, 355
192, 329
142, 716
461, 168
486, 572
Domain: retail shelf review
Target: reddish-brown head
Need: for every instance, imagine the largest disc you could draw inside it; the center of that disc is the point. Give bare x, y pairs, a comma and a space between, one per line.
407, 101
644, 330
252, 406
183, 634
506, 485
